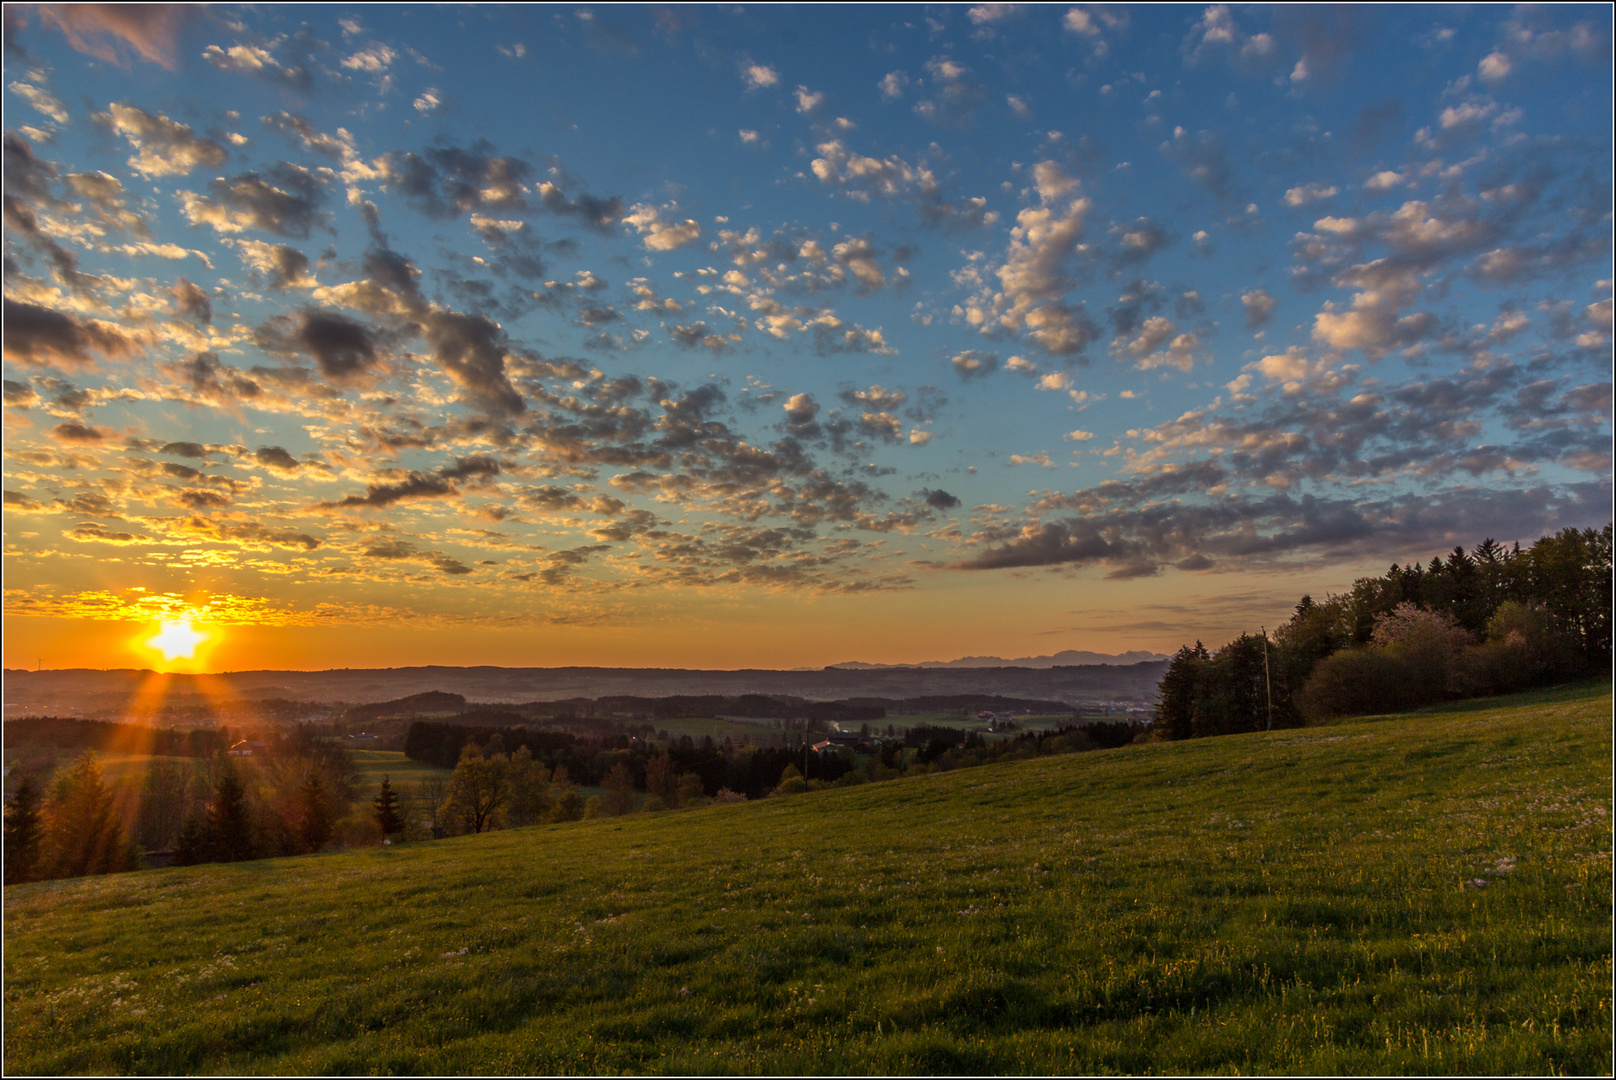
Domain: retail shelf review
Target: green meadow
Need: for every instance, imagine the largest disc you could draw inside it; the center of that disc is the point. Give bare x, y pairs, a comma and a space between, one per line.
401, 771
1424, 893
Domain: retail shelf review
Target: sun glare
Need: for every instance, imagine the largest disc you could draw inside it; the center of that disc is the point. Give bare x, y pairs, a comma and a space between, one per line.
177, 640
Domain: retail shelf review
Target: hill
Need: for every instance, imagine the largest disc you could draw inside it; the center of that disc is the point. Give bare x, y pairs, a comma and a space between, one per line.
1428, 893
67, 691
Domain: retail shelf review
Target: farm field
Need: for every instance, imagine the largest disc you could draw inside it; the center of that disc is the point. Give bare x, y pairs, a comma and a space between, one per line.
374, 764
1424, 893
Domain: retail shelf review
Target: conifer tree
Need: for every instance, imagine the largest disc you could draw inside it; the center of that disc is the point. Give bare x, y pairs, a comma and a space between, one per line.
22, 833
230, 826
315, 826
384, 808
82, 833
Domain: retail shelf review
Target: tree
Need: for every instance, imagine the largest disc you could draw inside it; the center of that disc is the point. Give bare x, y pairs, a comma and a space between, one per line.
691, 792
618, 791
384, 808
82, 831
530, 788
22, 833
1232, 690
314, 814
1431, 645
478, 788
230, 833
568, 805
660, 781
1175, 698
162, 804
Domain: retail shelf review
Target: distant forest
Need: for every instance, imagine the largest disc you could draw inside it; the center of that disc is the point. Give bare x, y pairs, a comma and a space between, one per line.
70, 733
1487, 621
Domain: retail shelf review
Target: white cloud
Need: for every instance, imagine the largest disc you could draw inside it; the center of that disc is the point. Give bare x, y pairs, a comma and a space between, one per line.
808, 102
1035, 274
1494, 67
374, 60
1310, 193
661, 235
42, 100
759, 76
893, 85
1384, 180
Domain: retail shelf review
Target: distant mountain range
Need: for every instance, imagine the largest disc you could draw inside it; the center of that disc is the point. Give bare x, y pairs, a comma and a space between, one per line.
1065, 658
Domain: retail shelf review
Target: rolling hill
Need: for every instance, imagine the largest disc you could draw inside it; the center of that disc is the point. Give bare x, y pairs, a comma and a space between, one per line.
1427, 893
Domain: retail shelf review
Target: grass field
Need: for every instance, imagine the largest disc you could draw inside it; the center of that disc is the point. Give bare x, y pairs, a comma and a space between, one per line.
404, 773
1428, 893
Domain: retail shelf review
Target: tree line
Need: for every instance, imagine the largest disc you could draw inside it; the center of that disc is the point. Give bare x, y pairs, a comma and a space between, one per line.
588, 761
71, 733
292, 796
1485, 621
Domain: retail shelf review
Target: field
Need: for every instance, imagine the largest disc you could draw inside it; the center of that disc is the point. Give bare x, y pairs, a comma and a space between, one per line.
1427, 893
404, 773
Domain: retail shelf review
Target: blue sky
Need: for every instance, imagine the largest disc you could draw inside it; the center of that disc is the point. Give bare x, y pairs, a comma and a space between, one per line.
730, 336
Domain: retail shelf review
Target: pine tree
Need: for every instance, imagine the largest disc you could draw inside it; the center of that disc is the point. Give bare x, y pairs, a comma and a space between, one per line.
315, 826
384, 808
22, 833
230, 826
82, 832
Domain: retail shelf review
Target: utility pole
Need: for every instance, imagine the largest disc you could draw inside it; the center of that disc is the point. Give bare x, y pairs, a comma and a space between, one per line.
1267, 679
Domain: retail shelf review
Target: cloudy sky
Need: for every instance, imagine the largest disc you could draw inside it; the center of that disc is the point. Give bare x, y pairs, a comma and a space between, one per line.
729, 337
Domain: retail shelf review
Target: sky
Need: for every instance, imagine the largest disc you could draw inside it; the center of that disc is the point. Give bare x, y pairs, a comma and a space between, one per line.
768, 337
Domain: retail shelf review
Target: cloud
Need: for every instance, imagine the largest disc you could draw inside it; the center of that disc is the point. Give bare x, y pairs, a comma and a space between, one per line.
277, 459
758, 76
419, 485
82, 434
41, 99
286, 204
472, 350
1218, 35
801, 409
892, 177
447, 181
281, 266
342, 347
1037, 271
259, 62
104, 31
956, 93
1310, 193
42, 336
192, 301
938, 499
374, 60
1048, 545
163, 147
661, 235
1203, 159
1259, 307
1374, 321
1139, 241
972, 363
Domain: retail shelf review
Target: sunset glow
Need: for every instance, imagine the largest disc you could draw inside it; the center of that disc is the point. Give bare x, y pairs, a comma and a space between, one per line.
723, 337
177, 640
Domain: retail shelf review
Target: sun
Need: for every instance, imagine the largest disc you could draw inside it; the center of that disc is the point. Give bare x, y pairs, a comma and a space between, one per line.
177, 640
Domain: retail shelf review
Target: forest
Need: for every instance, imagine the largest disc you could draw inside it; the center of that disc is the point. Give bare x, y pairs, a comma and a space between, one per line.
1487, 621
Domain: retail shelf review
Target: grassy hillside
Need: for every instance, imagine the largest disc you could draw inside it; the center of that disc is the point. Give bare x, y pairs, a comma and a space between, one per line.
1419, 894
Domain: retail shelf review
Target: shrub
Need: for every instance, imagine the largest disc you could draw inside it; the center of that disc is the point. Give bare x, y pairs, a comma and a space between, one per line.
1432, 647
1353, 682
